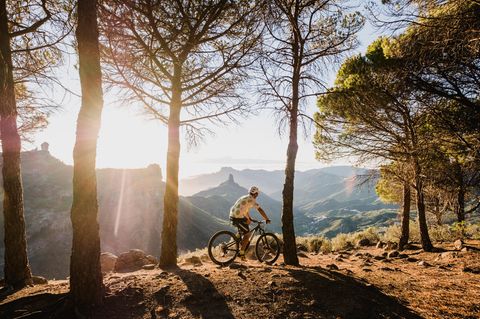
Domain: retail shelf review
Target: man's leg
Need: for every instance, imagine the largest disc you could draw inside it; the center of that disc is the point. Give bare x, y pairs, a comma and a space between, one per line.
245, 240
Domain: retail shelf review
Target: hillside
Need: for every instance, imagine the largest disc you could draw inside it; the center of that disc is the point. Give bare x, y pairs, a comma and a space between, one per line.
347, 284
130, 213
219, 199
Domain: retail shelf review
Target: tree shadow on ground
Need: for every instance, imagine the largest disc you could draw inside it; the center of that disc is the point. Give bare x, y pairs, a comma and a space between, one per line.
341, 296
203, 300
46, 305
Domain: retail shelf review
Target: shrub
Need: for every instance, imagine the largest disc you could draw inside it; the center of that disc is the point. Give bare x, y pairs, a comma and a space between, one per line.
392, 233
315, 244
441, 233
342, 241
370, 233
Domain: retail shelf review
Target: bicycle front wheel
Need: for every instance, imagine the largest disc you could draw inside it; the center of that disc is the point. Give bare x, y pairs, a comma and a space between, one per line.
223, 248
267, 248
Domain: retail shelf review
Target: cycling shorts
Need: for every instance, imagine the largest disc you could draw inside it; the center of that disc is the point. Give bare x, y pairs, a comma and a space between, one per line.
241, 224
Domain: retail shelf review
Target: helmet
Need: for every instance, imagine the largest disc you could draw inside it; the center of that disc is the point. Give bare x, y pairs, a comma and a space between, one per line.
253, 190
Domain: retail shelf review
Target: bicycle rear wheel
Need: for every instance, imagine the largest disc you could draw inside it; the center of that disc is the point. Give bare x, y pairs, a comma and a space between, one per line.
267, 248
223, 247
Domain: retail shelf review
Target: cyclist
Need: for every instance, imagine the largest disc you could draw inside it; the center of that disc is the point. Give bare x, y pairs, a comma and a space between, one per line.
240, 216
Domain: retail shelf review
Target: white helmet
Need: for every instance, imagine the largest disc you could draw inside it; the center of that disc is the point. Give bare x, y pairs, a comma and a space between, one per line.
253, 190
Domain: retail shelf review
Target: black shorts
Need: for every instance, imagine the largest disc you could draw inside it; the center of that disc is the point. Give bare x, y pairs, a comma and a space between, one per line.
241, 224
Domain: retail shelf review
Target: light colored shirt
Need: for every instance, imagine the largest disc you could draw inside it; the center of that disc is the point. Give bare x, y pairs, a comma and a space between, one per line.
242, 206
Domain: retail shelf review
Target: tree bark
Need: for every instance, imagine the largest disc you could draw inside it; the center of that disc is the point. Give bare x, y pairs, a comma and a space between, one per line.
422, 220
288, 230
17, 270
405, 216
86, 287
168, 255
460, 207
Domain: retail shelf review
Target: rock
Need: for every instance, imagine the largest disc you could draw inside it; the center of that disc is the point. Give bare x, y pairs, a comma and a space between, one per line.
380, 244
412, 259
391, 246
473, 270
393, 254
332, 267
423, 263
465, 249
107, 261
133, 260
194, 260
302, 254
237, 266
364, 242
458, 244
149, 267
38, 280
449, 255
302, 247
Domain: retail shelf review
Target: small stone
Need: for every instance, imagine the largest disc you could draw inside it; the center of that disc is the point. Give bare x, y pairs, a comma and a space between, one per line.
332, 267
458, 244
465, 249
149, 267
423, 263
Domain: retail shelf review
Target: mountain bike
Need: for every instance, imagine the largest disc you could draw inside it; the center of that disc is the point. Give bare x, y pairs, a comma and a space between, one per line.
224, 246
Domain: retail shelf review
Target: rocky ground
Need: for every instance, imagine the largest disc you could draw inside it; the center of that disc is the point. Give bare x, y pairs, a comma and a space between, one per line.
364, 283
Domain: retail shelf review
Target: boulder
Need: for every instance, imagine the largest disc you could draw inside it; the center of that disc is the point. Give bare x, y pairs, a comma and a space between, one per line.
38, 280
458, 244
364, 242
149, 267
107, 262
133, 260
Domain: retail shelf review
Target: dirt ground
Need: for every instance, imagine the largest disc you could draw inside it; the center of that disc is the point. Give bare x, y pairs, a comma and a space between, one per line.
349, 284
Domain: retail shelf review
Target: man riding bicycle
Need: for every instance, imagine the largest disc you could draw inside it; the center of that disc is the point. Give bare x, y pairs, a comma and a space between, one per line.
240, 216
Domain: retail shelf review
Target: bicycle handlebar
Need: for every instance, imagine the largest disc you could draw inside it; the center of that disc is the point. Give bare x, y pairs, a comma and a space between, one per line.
257, 221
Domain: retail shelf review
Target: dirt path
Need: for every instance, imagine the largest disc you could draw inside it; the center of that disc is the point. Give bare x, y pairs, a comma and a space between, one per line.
443, 286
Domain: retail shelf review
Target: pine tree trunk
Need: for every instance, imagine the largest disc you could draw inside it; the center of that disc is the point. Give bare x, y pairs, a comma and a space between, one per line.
168, 255
405, 216
86, 285
17, 271
422, 219
460, 207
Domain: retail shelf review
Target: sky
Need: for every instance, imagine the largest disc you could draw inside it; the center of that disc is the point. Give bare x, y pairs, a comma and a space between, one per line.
129, 139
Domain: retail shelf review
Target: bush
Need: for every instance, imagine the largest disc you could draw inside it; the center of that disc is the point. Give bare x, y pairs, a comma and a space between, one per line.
315, 244
371, 233
342, 241
392, 233
441, 233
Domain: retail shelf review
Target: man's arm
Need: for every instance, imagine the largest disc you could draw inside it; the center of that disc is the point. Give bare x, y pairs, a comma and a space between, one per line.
262, 212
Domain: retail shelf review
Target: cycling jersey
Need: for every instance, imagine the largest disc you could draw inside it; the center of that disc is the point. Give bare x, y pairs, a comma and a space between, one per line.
243, 205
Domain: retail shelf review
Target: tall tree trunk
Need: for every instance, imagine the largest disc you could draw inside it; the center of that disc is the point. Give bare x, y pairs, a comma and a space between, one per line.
405, 216
86, 285
460, 207
168, 255
17, 270
290, 247
422, 219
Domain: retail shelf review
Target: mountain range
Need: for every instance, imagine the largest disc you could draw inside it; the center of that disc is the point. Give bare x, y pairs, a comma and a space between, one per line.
327, 201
